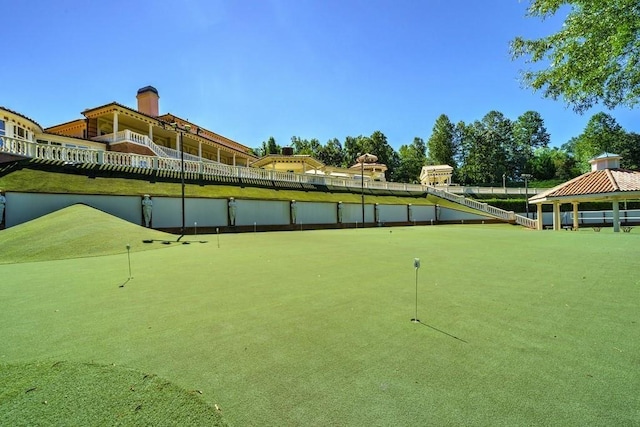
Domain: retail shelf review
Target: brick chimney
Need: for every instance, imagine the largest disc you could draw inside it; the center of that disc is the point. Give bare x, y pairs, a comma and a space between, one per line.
148, 100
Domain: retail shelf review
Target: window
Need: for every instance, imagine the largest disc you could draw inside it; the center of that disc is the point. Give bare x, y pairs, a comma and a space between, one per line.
1, 127
19, 132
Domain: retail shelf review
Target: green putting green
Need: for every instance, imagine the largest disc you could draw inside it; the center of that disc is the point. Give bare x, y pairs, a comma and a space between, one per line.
313, 327
64, 393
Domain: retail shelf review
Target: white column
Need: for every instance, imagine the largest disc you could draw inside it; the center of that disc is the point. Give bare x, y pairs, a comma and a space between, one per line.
539, 216
556, 215
616, 216
218, 154
150, 131
234, 159
115, 125
200, 150
178, 140
575, 216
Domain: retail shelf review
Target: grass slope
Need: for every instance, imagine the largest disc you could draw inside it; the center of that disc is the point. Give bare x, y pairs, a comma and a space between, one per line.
312, 327
66, 393
73, 232
28, 180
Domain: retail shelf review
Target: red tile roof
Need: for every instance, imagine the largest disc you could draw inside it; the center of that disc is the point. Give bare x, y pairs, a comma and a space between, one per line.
597, 183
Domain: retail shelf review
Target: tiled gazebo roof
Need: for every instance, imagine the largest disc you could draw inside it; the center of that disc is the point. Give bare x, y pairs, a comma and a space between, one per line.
593, 185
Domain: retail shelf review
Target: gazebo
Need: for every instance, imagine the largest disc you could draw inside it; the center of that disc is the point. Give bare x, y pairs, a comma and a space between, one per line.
436, 175
606, 182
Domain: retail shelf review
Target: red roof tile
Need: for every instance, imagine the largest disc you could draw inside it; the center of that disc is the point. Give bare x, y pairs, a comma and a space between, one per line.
595, 183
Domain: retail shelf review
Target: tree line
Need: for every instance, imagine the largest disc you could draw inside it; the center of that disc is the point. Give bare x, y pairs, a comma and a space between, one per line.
490, 151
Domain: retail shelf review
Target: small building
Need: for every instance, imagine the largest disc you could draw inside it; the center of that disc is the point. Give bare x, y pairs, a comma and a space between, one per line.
606, 182
436, 175
306, 164
289, 162
372, 171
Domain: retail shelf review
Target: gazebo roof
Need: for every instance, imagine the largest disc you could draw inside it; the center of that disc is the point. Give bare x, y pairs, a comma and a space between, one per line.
594, 185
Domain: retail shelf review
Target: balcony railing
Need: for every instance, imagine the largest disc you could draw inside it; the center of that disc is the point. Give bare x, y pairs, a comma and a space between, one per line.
207, 168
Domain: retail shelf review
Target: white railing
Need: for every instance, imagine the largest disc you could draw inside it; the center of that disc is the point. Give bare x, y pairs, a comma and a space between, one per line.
525, 222
16, 146
461, 189
113, 158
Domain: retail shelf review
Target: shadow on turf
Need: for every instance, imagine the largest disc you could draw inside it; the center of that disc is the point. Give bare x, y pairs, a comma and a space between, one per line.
442, 332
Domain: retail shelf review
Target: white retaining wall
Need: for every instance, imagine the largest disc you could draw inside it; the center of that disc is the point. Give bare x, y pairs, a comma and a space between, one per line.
167, 211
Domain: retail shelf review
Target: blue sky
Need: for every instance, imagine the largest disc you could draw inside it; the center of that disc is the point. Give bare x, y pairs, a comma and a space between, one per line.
253, 69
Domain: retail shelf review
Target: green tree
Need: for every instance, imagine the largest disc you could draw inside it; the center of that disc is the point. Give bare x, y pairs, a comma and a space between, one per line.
385, 153
594, 58
411, 159
542, 164
629, 149
303, 146
462, 134
441, 143
332, 154
354, 146
268, 147
495, 136
602, 134
565, 164
529, 134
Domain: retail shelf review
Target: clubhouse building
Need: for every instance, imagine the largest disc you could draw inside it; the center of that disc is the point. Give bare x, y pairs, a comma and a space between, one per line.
116, 128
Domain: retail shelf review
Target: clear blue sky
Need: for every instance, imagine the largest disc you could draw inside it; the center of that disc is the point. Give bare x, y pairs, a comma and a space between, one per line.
253, 69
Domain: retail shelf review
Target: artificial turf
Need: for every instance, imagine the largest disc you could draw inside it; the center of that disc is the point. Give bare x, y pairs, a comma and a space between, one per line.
518, 327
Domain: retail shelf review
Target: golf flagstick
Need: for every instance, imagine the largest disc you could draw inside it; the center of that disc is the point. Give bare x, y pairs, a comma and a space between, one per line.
129, 259
416, 265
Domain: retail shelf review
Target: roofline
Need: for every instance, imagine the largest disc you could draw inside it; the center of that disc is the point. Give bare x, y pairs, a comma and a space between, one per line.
300, 157
65, 123
223, 138
592, 197
21, 115
117, 104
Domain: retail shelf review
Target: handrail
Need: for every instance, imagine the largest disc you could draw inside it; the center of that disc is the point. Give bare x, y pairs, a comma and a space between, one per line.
526, 222
193, 164
470, 190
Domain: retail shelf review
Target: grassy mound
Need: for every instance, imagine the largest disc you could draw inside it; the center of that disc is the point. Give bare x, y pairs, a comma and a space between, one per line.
91, 394
73, 232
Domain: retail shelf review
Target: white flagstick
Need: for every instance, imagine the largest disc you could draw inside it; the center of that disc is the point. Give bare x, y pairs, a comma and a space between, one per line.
416, 265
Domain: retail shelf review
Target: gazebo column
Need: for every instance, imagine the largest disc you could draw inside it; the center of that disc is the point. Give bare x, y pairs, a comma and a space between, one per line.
616, 216
556, 215
200, 150
539, 225
575, 215
218, 154
115, 125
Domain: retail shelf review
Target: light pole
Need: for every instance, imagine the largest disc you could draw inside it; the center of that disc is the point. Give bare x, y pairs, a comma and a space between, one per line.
362, 159
504, 181
181, 136
527, 177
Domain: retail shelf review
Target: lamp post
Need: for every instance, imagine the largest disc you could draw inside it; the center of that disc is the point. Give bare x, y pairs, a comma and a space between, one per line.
527, 177
181, 137
362, 159
504, 181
